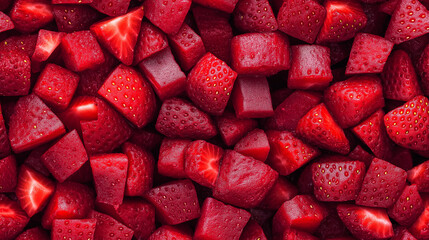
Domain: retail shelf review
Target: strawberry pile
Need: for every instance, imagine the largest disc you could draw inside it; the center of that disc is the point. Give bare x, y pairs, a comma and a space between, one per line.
214, 119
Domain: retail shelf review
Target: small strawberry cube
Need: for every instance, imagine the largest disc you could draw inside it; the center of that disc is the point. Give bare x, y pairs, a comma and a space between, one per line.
168, 15
408, 207
171, 160
73, 228
255, 16
255, 144
283, 190
9, 176
253, 231
233, 129
150, 41
107, 228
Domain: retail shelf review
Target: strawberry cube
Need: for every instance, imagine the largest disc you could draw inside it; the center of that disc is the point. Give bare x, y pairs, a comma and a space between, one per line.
73, 228
150, 41
233, 129
171, 160
223, 5
8, 178
168, 15
255, 144
171, 232
108, 228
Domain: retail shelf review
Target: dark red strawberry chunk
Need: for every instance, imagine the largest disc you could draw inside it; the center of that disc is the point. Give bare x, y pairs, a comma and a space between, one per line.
253, 231
171, 160
47, 42
15, 73
73, 229
408, 207
150, 41
36, 233
34, 160
360, 154
8, 178
5, 22
255, 144
25, 43
419, 176
111, 8
168, 15
12, 218
147, 138
423, 68
71, 18
401, 233
223, 5
170, 232
254, 16
30, 15
108, 228
233, 129
282, 191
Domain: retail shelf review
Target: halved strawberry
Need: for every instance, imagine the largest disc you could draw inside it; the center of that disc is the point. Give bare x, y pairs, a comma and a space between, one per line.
419, 175
30, 15
254, 16
150, 41
73, 229
71, 18
9, 176
419, 229
113, 9
119, 35
202, 162
408, 207
15, 73
12, 218
108, 228
5, 22
47, 42
36, 233
255, 144
366, 222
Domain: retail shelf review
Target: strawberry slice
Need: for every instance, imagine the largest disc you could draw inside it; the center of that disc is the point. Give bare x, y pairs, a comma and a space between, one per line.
254, 16
111, 8
5, 22
9, 175
119, 35
202, 162
12, 218
30, 15
33, 190
366, 222
71, 18
47, 42
15, 73
73, 229
36, 233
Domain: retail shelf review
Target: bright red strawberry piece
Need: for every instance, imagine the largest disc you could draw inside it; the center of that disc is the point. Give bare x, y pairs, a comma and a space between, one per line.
140, 169
171, 198
36, 233
260, 53
168, 15
81, 51
319, 128
407, 125
110, 176
106, 133
70, 200
364, 59
254, 16
231, 187
233, 129
400, 80
56, 86
188, 47
220, 221
170, 232
73, 229
360, 154
251, 97
282, 191
130, 94
382, 185
253, 231
301, 19
223, 5
255, 144
343, 20
354, 99
408, 207
5, 22
71, 18
202, 160
215, 31
107, 228
8, 178
301, 212
373, 133
150, 41
47, 42
337, 181
82, 108
15, 73
171, 160
366, 222
423, 68
30, 15
119, 35
33, 124
180, 119
310, 67
288, 153
409, 20
12, 218
65, 157
164, 74
113, 9
419, 176
401, 233
210, 84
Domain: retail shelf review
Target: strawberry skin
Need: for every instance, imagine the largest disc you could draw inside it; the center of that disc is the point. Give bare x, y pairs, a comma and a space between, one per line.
408, 207
171, 160
107, 228
36, 233
74, 17
30, 15
168, 15
223, 5
419, 229
12, 218
170, 232
150, 41
112, 8
9, 176
5, 22
282, 191
254, 16
15, 73
73, 229
210, 84
407, 125
419, 175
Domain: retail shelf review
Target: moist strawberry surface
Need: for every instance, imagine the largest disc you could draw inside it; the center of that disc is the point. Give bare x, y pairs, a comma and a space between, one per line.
214, 119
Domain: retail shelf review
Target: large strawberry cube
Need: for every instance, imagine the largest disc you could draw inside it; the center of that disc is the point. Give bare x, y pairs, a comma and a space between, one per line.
220, 221
74, 17
30, 15
73, 228
81, 51
255, 16
408, 207
255, 144
223, 5
168, 15
251, 97
8, 178
171, 160
164, 74
231, 188
150, 41
233, 129
107, 228
15, 73
260, 53
175, 202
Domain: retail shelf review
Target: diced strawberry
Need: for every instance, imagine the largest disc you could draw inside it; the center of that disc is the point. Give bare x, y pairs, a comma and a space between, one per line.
170, 232
255, 144
401, 233
9, 176
107, 228
168, 15
407, 126
15, 73
293, 234
35, 162
171, 160
36, 233
12, 218
308, 12
150, 41
178, 118
171, 198
223, 5
423, 68
147, 138
376, 20
354, 99
388, 7
261, 216
319, 128
140, 169
71, 18
47, 42
282, 191
70, 200
210, 83
382, 185
360, 154
339, 51
202, 160
73, 229
113, 9
254, 16
106, 133
366, 222
402, 158
332, 226
403, 25
81, 51
419, 228
30, 15
220, 221
82, 108
288, 153
408, 207
343, 20
233, 129
164, 74
33, 124
419, 176
253, 231
5, 22
260, 53
119, 35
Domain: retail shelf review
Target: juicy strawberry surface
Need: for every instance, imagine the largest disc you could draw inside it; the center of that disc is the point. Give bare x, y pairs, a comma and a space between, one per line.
168, 15
108, 228
114, 8
29, 15
12, 218
5, 22
33, 234
47, 42
14, 73
76, 17
255, 16
150, 41
73, 228
255, 144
